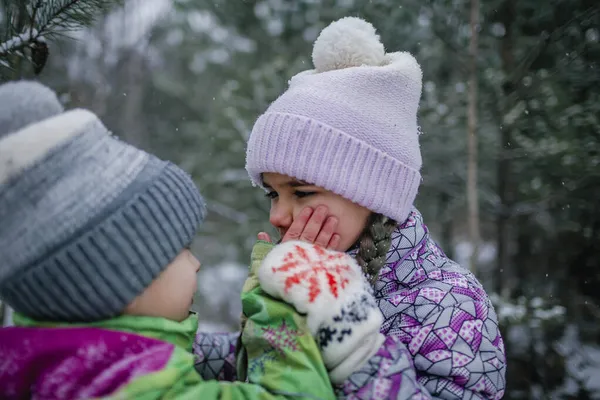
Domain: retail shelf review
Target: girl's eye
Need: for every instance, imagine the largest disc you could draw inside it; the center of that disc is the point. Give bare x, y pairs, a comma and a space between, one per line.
300, 194
271, 195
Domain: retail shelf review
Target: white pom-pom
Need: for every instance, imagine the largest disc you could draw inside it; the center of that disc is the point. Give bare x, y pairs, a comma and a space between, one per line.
348, 42
406, 63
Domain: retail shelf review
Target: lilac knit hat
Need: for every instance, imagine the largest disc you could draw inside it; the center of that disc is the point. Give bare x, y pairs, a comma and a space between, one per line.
349, 125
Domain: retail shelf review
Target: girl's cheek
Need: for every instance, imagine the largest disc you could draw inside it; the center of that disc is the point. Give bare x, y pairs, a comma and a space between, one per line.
314, 201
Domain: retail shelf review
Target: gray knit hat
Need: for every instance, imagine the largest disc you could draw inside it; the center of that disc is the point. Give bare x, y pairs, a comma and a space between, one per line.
87, 221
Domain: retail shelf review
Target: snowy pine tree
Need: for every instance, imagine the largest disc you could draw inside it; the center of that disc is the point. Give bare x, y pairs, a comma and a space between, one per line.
29, 26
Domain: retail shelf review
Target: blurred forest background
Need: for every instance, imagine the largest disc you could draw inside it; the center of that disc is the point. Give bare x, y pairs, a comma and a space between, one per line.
186, 79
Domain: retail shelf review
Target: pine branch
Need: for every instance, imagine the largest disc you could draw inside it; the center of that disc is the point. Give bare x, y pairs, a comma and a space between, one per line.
18, 42
45, 19
69, 15
544, 41
32, 19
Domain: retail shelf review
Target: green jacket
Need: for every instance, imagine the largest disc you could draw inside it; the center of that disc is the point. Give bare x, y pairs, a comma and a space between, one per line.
142, 358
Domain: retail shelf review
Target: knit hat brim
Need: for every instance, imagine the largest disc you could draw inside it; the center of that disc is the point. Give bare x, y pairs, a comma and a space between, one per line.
96, 275
327, 157
349, 125
89, 222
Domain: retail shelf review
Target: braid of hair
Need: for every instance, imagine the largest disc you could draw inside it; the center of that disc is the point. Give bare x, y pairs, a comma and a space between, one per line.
374, 244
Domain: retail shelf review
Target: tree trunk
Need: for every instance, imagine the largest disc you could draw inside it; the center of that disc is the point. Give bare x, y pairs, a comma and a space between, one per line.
19, 64
446, 224
505, 187
132, 121
472, 195
523, 253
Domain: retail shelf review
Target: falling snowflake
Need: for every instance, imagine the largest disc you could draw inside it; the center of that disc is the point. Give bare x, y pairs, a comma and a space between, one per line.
301, 266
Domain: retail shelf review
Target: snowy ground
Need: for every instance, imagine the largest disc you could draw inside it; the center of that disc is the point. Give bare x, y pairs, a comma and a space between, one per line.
218, 303
583, 364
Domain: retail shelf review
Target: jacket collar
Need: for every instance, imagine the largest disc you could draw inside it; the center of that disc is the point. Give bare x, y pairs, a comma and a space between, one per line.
180, 334
405, 265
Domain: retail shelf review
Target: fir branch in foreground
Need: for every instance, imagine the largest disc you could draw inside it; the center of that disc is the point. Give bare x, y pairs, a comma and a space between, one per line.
69, 15
45, 19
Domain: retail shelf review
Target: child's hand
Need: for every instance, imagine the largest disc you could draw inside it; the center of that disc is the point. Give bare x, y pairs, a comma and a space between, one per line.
264, 236
330, 288
311, 226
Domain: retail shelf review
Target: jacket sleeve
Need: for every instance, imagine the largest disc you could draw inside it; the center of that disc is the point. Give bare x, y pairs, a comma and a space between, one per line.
221, 356
215, 355
279, 352
457, 353
389, 374
282, 355
283, 360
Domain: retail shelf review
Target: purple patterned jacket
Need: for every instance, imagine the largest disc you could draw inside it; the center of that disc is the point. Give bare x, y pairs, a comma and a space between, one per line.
442, 331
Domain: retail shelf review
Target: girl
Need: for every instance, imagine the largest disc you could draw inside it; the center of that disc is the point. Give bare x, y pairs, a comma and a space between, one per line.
339, 157
95, 260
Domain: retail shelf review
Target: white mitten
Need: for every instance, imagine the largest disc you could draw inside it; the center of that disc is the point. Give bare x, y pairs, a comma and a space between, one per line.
330, 288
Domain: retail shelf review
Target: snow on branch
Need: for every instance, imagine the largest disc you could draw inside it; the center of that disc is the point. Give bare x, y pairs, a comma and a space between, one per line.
30, 24
17, 42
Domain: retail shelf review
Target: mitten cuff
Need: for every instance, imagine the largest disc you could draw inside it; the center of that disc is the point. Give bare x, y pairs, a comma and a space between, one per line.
348, 330
359, 357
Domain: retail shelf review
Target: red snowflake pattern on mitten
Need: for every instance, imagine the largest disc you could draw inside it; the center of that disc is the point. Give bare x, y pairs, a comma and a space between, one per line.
331, 290
302, 265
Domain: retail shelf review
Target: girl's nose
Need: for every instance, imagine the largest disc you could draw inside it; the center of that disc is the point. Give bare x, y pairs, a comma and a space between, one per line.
281, 216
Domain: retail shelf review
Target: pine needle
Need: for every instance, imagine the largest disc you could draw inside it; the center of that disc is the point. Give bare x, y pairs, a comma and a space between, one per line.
30, 23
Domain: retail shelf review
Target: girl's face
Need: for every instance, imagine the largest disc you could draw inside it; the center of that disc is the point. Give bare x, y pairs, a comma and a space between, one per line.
290, 196
171, 294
